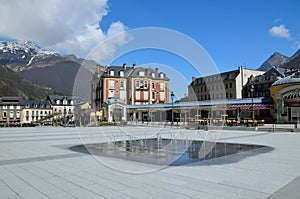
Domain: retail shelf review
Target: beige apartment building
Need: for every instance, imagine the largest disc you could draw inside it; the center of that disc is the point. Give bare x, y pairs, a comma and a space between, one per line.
227, 85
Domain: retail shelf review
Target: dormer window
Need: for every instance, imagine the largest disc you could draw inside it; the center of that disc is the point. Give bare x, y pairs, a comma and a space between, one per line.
57, 102
141, 73
161, 75
121, 73
112, 73
153, 75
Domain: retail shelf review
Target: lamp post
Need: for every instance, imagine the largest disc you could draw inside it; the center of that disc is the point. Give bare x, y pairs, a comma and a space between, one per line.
252, 92
65, 110
172, 97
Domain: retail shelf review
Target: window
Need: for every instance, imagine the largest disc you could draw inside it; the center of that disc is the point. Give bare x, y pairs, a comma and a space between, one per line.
204, 89
111, 84
161, 86
27, 113
161, 75
4, 106
230, 85
201, 89
138, 95
111, 94
122, 85
57, 102
162, 96
137, 84
153, 86
142, 73
11, 107
11, 115
226, 85
230, 95
37, 113
146, 95
18, 115
153, 75
145, 84
41, 113
153, 95
112, 72
32, 113
121, 73
4, 115
18, 107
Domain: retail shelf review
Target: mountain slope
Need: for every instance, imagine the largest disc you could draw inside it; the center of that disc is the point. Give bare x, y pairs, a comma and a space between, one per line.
47, 68
11, 84
293, 62
274, 60
61, 77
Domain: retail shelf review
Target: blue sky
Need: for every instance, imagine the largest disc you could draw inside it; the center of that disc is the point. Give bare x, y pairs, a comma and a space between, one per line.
233, 32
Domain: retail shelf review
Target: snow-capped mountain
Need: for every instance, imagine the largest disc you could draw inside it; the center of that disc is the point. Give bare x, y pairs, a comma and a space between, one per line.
20, 56
23, 47
47, 68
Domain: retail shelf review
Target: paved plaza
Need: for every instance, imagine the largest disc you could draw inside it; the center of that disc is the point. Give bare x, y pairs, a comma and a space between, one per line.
38, 163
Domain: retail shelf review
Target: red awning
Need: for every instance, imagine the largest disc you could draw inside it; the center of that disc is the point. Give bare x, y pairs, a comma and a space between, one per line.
249, 106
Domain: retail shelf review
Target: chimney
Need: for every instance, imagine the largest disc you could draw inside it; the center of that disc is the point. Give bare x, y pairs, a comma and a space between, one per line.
107, 70
101, 68
134, 66
193, 78
124, 66
156, 70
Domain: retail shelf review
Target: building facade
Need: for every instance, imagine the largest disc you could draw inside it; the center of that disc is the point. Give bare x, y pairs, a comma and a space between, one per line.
129, 85
10, 110
286, 95
261, 84
227, 85
37, 111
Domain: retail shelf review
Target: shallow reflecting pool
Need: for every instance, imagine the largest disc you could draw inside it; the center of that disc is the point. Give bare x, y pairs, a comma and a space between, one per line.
171, 152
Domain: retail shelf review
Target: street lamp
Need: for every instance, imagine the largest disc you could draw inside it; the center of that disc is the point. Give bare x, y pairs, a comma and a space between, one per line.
172, 97
65, 110
252, 92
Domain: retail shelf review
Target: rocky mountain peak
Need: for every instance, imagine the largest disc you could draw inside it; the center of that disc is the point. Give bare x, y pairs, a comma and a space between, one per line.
275, 60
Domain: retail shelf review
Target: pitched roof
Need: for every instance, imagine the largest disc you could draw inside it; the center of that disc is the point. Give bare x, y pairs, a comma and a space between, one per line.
216, 77
36, 104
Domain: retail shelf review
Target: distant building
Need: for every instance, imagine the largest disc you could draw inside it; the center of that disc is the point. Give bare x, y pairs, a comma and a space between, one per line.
129, 85
37, 111
10, 110
63, 108
262, 83
227, 85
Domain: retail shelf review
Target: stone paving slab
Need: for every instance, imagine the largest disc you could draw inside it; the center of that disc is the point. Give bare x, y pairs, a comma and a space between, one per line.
36, 163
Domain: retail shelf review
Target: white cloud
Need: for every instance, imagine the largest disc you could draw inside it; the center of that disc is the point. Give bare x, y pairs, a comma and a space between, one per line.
280, 31
69, 26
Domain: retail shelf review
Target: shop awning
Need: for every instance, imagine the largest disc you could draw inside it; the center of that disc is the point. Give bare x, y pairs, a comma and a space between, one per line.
249, 106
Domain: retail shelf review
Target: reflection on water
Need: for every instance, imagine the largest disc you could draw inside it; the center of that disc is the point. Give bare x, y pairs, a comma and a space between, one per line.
164, 151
